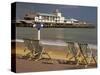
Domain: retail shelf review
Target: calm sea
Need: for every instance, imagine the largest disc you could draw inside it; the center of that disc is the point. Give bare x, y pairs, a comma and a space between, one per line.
87, 35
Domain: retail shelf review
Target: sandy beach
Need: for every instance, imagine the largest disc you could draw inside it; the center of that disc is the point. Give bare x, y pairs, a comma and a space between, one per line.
37, 66
56, 53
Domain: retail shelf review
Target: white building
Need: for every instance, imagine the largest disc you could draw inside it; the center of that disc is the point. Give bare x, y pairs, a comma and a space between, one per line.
55, 17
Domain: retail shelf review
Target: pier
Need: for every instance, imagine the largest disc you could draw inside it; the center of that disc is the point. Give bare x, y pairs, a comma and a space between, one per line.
51, 20
55, 25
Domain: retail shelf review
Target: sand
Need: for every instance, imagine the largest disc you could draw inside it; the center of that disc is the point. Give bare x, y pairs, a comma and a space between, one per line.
56, 53
23, 65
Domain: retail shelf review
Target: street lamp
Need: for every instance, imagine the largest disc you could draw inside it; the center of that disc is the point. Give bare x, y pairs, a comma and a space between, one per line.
38, 26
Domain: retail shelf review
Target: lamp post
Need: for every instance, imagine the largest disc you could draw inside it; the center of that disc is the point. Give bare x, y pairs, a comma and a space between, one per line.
38, 26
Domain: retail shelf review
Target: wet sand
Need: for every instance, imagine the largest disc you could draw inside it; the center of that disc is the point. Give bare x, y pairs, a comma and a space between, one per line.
23, 65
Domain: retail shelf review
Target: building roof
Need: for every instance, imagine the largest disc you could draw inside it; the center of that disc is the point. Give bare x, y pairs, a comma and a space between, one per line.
46, 14
56, 11
26, 21
71, 19
30, 15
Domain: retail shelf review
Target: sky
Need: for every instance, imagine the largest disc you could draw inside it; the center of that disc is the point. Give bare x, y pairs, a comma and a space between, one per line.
84, 13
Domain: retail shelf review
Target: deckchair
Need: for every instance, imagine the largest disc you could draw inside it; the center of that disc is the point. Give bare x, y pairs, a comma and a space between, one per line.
83, 48
87, 54
36, 50
72, 51
92, 56
80, 52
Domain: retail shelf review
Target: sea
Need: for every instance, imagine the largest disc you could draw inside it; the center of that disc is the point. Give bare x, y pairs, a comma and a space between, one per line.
59, 35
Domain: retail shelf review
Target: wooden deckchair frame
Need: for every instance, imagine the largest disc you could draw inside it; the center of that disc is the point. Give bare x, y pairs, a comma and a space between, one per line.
72, 49
85, 55
30, 45
81, 51
92, 57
